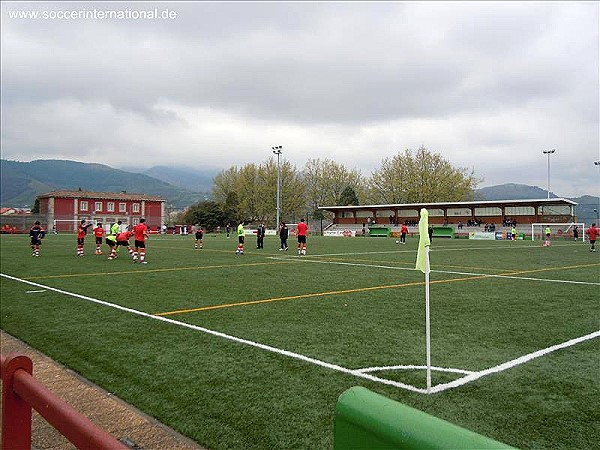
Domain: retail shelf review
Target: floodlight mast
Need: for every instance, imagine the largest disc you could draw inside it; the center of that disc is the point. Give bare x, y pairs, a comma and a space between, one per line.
277, 150
548, 152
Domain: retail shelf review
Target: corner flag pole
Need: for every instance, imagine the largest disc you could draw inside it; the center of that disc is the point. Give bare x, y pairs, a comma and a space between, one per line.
423, 265
427, 322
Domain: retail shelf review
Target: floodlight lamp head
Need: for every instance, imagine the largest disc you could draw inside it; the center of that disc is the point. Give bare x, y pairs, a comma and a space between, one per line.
549, 152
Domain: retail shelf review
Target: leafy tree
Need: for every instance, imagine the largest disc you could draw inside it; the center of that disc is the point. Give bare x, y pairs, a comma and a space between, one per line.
420, 178
326, 180
36, 207
205, 213
348, 197
249, 192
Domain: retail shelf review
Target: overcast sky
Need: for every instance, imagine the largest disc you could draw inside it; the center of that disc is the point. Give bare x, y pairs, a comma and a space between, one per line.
488, 85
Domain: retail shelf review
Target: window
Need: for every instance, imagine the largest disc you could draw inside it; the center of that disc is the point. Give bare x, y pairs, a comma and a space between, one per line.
519, 211
83, 205
408, 213
135, 208
98, 206
489, 211
122, 207
435, 212
465, 212
110, 207
136, 221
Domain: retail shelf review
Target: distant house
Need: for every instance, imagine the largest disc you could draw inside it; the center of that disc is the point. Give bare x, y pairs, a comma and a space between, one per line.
8, 211
64, 209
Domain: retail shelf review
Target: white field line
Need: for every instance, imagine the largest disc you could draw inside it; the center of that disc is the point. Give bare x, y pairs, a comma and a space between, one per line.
441, 249
269, 348
473, 274
413, 367
35, 292
510, 364
359, 373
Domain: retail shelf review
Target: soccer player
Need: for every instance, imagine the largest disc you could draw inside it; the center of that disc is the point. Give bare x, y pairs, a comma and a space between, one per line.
240, 234
81, 232
592, 232
283, 236
140, 235
98, 233
301, 230
548, 232
513, 233
199, 234
111, 241
403, 231
260, 236
36, 233
123, 241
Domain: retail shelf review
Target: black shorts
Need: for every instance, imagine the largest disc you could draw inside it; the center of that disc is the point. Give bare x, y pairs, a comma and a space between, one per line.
80, 241
98, 240
241, 239
198, 235
110, 242
302, 239
140, 244
123, 243
36, 242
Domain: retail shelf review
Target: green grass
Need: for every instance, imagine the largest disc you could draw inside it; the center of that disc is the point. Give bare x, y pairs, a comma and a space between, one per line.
351, 302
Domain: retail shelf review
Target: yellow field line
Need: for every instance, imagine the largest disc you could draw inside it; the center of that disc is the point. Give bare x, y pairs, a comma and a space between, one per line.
173, 269
350, 291
409, 263
547, 269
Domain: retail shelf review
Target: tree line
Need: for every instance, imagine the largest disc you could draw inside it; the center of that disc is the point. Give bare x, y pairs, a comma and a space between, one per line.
248, 193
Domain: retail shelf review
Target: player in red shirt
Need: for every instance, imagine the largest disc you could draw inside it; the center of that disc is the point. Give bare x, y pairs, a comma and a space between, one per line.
98, 233
81, 232
140, 235
123, 241
403, 231
593, 233
301, 230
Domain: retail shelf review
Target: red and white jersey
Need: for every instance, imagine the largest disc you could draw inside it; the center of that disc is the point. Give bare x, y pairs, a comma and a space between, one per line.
124, 236
140, 231
301, 229
82, 230
98, 231
593, 233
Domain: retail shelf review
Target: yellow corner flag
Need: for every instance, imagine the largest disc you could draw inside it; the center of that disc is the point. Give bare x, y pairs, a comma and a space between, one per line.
422, 263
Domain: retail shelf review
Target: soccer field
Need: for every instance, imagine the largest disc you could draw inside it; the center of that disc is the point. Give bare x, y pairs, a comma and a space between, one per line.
252, 351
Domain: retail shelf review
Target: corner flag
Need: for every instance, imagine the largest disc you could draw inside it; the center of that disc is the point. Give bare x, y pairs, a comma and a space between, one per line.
422, 255
423, 266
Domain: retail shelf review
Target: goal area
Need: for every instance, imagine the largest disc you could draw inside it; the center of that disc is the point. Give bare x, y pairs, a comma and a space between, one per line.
567, 231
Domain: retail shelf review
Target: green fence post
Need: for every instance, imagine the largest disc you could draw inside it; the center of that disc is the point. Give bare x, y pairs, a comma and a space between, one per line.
366, 420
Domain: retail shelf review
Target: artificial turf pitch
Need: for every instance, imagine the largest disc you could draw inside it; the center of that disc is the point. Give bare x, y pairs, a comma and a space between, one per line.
252, 351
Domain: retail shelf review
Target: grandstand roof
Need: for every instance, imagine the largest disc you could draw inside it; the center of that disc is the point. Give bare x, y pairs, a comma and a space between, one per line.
473, 204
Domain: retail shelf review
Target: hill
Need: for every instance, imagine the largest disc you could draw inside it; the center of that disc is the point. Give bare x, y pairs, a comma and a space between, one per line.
183, 177
587, 205
512, 191
21, 182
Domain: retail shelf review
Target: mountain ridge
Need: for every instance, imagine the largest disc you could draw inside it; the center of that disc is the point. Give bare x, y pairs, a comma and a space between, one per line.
22, 182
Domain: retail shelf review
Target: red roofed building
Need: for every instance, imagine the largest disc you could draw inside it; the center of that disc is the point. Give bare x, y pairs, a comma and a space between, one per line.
64, 209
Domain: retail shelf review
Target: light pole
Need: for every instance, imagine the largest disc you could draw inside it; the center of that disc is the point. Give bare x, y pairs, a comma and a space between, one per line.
597, 164
277, 150
548, 152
